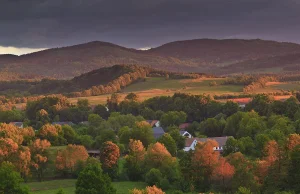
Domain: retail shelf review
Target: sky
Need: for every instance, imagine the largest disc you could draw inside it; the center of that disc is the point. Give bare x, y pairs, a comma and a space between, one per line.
32, 25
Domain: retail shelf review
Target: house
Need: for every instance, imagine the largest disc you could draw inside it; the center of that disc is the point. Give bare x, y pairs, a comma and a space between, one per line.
94, 153
185, 134
63, 123
191, 143
158, 132
154, 123
17, 124
183, 126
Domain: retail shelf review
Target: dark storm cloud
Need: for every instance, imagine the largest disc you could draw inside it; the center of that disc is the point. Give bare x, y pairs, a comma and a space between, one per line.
141, 23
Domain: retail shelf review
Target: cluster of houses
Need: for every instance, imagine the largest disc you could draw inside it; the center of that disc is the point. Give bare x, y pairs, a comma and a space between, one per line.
190, 141
158, 131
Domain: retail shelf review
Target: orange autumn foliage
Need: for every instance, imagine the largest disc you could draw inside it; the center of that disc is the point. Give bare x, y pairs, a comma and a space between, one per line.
271, 151
136, 149
7, 148
50, 130
223, 170
157, 154
205, 155
148, 190
38, 149
141, 124
293, 141
11, 131
67, 158
109, 154
154, 190
22, 161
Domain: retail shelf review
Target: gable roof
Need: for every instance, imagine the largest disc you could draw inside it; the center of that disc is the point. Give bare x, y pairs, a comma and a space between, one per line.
152, 122
158, 132
221, 140
18, 124
189, 141
184, 125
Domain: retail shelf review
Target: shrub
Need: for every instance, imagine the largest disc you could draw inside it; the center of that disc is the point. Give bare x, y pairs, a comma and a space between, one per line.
153, 177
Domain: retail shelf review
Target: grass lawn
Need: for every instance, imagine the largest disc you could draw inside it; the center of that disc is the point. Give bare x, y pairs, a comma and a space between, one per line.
68, 185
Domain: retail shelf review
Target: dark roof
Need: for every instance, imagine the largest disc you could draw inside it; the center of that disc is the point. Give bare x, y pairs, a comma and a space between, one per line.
221, 140
63, 123
158, 132
93, 151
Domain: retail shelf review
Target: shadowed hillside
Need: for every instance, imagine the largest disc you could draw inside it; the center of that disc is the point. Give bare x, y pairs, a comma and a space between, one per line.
202, 55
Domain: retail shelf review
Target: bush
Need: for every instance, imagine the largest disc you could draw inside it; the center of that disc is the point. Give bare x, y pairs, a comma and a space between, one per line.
92, 180
153, 177
164, 184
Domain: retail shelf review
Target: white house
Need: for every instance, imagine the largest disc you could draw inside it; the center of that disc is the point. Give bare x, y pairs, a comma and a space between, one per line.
185, 134
190, 144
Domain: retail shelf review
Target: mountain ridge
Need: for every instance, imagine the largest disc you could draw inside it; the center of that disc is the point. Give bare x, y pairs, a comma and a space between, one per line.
197, 55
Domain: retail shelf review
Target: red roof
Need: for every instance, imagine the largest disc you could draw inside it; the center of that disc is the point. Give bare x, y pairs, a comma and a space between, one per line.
184, 125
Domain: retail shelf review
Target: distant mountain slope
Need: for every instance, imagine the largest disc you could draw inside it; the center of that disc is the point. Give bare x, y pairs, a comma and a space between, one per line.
212, 51
202, 55
70, 61
288, 62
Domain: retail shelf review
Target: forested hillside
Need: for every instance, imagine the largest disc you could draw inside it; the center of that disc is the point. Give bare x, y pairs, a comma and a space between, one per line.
101, 81
201, 55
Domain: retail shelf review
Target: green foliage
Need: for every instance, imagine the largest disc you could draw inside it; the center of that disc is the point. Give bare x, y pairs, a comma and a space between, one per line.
153, 177
10, 180
173, 118
211, 127
169, 143
294, 170
179, 139
61, 191
144, 133
69, 134
101, 111
243, 190
92, 180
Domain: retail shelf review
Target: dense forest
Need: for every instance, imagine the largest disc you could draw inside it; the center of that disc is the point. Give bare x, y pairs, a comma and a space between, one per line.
261, 154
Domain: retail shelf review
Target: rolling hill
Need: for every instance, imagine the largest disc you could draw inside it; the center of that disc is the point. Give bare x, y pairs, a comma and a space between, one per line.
200, 55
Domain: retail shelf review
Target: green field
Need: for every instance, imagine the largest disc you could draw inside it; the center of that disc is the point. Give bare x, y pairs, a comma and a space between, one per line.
68, 185
155, 86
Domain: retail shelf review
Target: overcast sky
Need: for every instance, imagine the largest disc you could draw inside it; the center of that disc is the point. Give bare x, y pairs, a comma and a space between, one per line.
34, 24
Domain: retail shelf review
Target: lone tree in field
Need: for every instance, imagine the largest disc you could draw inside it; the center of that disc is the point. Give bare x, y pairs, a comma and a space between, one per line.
92, 180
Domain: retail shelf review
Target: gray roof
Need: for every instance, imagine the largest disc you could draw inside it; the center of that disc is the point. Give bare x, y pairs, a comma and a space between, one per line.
158, 132
18, 124
221, 140
182, 132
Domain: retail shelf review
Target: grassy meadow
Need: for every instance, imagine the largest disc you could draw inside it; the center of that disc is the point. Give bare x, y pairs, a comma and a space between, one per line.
157, 86
68, 185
